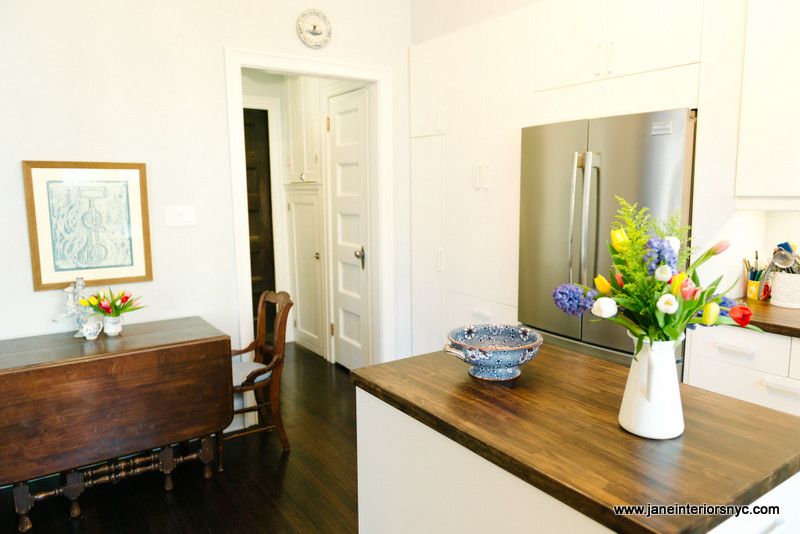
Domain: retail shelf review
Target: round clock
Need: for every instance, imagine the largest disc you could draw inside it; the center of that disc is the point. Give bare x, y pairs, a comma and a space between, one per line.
313, 28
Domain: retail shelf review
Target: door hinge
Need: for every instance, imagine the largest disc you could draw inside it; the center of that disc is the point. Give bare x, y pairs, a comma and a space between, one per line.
333, 330
327, 124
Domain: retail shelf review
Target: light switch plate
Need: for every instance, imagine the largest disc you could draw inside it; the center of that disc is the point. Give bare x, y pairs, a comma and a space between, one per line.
180, 215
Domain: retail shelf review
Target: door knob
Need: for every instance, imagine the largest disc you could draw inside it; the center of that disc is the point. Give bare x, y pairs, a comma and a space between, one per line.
361, 255
316, 255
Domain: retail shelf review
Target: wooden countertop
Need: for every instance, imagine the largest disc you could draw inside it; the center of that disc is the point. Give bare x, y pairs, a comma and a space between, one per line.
784, 321
556, 428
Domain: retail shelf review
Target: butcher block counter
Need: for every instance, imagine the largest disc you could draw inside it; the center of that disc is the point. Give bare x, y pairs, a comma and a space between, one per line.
442, 451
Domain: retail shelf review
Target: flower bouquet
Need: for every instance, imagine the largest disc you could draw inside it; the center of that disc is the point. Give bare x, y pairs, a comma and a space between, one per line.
111, 306
656, 295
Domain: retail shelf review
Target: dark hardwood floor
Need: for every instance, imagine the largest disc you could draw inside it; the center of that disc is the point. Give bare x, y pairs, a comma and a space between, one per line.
310, 489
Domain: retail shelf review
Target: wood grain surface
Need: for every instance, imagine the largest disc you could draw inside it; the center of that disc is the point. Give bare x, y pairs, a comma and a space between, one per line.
71, 402
784, 321
556, 428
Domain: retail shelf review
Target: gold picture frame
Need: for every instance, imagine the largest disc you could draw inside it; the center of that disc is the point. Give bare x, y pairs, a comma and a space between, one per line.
87, 219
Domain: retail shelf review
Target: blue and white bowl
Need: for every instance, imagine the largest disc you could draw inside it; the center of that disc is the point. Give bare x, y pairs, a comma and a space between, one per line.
494, 351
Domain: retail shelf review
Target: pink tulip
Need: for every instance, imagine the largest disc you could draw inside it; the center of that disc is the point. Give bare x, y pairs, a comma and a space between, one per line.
689, 291
619, 280
721, 247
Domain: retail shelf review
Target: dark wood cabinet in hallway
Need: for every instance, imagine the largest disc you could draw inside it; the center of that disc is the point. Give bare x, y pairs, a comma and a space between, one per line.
310, 489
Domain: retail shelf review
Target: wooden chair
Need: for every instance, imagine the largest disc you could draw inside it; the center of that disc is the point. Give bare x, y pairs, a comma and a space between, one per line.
264, 372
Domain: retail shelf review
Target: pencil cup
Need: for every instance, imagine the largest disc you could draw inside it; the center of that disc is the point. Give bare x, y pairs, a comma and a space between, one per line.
752, 289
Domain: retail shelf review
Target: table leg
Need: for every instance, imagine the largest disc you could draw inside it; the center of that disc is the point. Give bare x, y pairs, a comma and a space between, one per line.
167, 460
207, 456
23, 502
73, 487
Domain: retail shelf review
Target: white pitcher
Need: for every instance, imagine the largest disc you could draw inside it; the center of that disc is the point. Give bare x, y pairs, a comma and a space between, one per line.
651, 405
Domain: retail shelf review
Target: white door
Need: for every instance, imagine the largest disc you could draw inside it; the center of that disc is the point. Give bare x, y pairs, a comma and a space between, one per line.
305, 243
348, 157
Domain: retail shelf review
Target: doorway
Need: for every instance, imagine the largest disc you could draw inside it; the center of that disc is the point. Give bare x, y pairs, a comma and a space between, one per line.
378, 247
259, 206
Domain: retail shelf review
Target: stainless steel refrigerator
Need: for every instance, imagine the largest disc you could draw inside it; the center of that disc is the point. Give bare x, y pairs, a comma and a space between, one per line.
571, 172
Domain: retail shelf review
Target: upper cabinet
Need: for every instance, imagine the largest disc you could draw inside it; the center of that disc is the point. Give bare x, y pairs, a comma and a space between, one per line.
579, 41
305, 128
769, 109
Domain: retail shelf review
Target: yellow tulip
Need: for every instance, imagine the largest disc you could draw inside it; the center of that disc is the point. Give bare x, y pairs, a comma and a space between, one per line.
710, 313
619, 239
602, 285
677, 282
83, 302
93, 300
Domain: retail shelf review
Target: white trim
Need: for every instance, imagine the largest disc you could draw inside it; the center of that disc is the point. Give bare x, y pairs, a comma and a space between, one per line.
280, 224
382, 225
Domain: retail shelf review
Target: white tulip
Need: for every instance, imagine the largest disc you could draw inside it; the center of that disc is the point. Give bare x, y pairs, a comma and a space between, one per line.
663, 273
604, 307
674, 242
667, 304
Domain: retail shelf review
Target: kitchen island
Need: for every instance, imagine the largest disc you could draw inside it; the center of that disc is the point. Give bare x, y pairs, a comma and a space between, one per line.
440, 451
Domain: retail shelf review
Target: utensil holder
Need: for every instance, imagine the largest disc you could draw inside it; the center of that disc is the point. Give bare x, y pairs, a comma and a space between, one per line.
786, 290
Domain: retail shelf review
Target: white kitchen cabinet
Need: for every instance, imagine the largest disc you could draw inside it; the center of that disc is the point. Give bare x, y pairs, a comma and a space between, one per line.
769, 110
427, 244
305, 129
579, 41
754, 350
794, 366
307, 264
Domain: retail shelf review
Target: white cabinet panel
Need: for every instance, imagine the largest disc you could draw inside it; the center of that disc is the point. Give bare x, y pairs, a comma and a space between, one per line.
769, 110
305, 128
645, 36
427, 252
746, 384
464, 309
305, 251
759, 351
566, 48
794, 366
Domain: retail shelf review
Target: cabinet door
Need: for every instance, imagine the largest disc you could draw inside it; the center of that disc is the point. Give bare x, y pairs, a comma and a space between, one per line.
305, 249
297, 146
645, 36
566, 43
312, 128
428, 204
429, 73
769, 110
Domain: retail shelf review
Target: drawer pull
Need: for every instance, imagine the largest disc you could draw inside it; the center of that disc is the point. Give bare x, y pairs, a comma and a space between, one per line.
775, 526
749, 350
771, 383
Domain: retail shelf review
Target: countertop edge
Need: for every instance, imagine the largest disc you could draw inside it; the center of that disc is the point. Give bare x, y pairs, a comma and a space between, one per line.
564, 493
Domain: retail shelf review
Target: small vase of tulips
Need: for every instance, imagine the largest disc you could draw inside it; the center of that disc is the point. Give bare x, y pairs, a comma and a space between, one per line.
655, 293
111, 306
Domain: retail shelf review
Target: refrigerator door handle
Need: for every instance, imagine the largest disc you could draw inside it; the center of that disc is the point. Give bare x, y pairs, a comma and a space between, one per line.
587, 189
572, 191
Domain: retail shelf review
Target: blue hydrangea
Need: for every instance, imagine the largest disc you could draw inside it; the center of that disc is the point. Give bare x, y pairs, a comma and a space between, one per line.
573, 299
660, 252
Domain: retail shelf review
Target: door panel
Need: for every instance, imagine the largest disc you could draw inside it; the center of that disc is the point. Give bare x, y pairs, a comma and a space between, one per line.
642, 158
548, 154
305, 241
349, 171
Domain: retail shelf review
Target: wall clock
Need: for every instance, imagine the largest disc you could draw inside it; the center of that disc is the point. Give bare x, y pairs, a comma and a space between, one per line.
313, 28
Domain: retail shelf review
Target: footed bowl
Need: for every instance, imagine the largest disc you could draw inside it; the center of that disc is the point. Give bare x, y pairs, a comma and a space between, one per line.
494, 351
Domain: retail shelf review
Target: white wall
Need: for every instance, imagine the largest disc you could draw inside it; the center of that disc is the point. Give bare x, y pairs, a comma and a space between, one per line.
432, 18
144, 81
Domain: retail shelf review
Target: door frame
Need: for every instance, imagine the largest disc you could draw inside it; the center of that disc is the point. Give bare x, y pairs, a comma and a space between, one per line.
326, 92
381, 215
280, 233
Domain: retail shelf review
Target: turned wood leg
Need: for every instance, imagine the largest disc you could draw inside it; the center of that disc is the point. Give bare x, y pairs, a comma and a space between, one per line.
73, 487
263, 412
23, 502
219, 438
167, 460
207, 456
275, 408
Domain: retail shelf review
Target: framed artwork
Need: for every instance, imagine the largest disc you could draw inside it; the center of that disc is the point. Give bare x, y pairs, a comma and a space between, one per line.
89, 220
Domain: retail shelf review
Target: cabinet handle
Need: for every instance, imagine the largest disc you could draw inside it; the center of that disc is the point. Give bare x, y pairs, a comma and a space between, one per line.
749, 350
302, 177
771, 383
